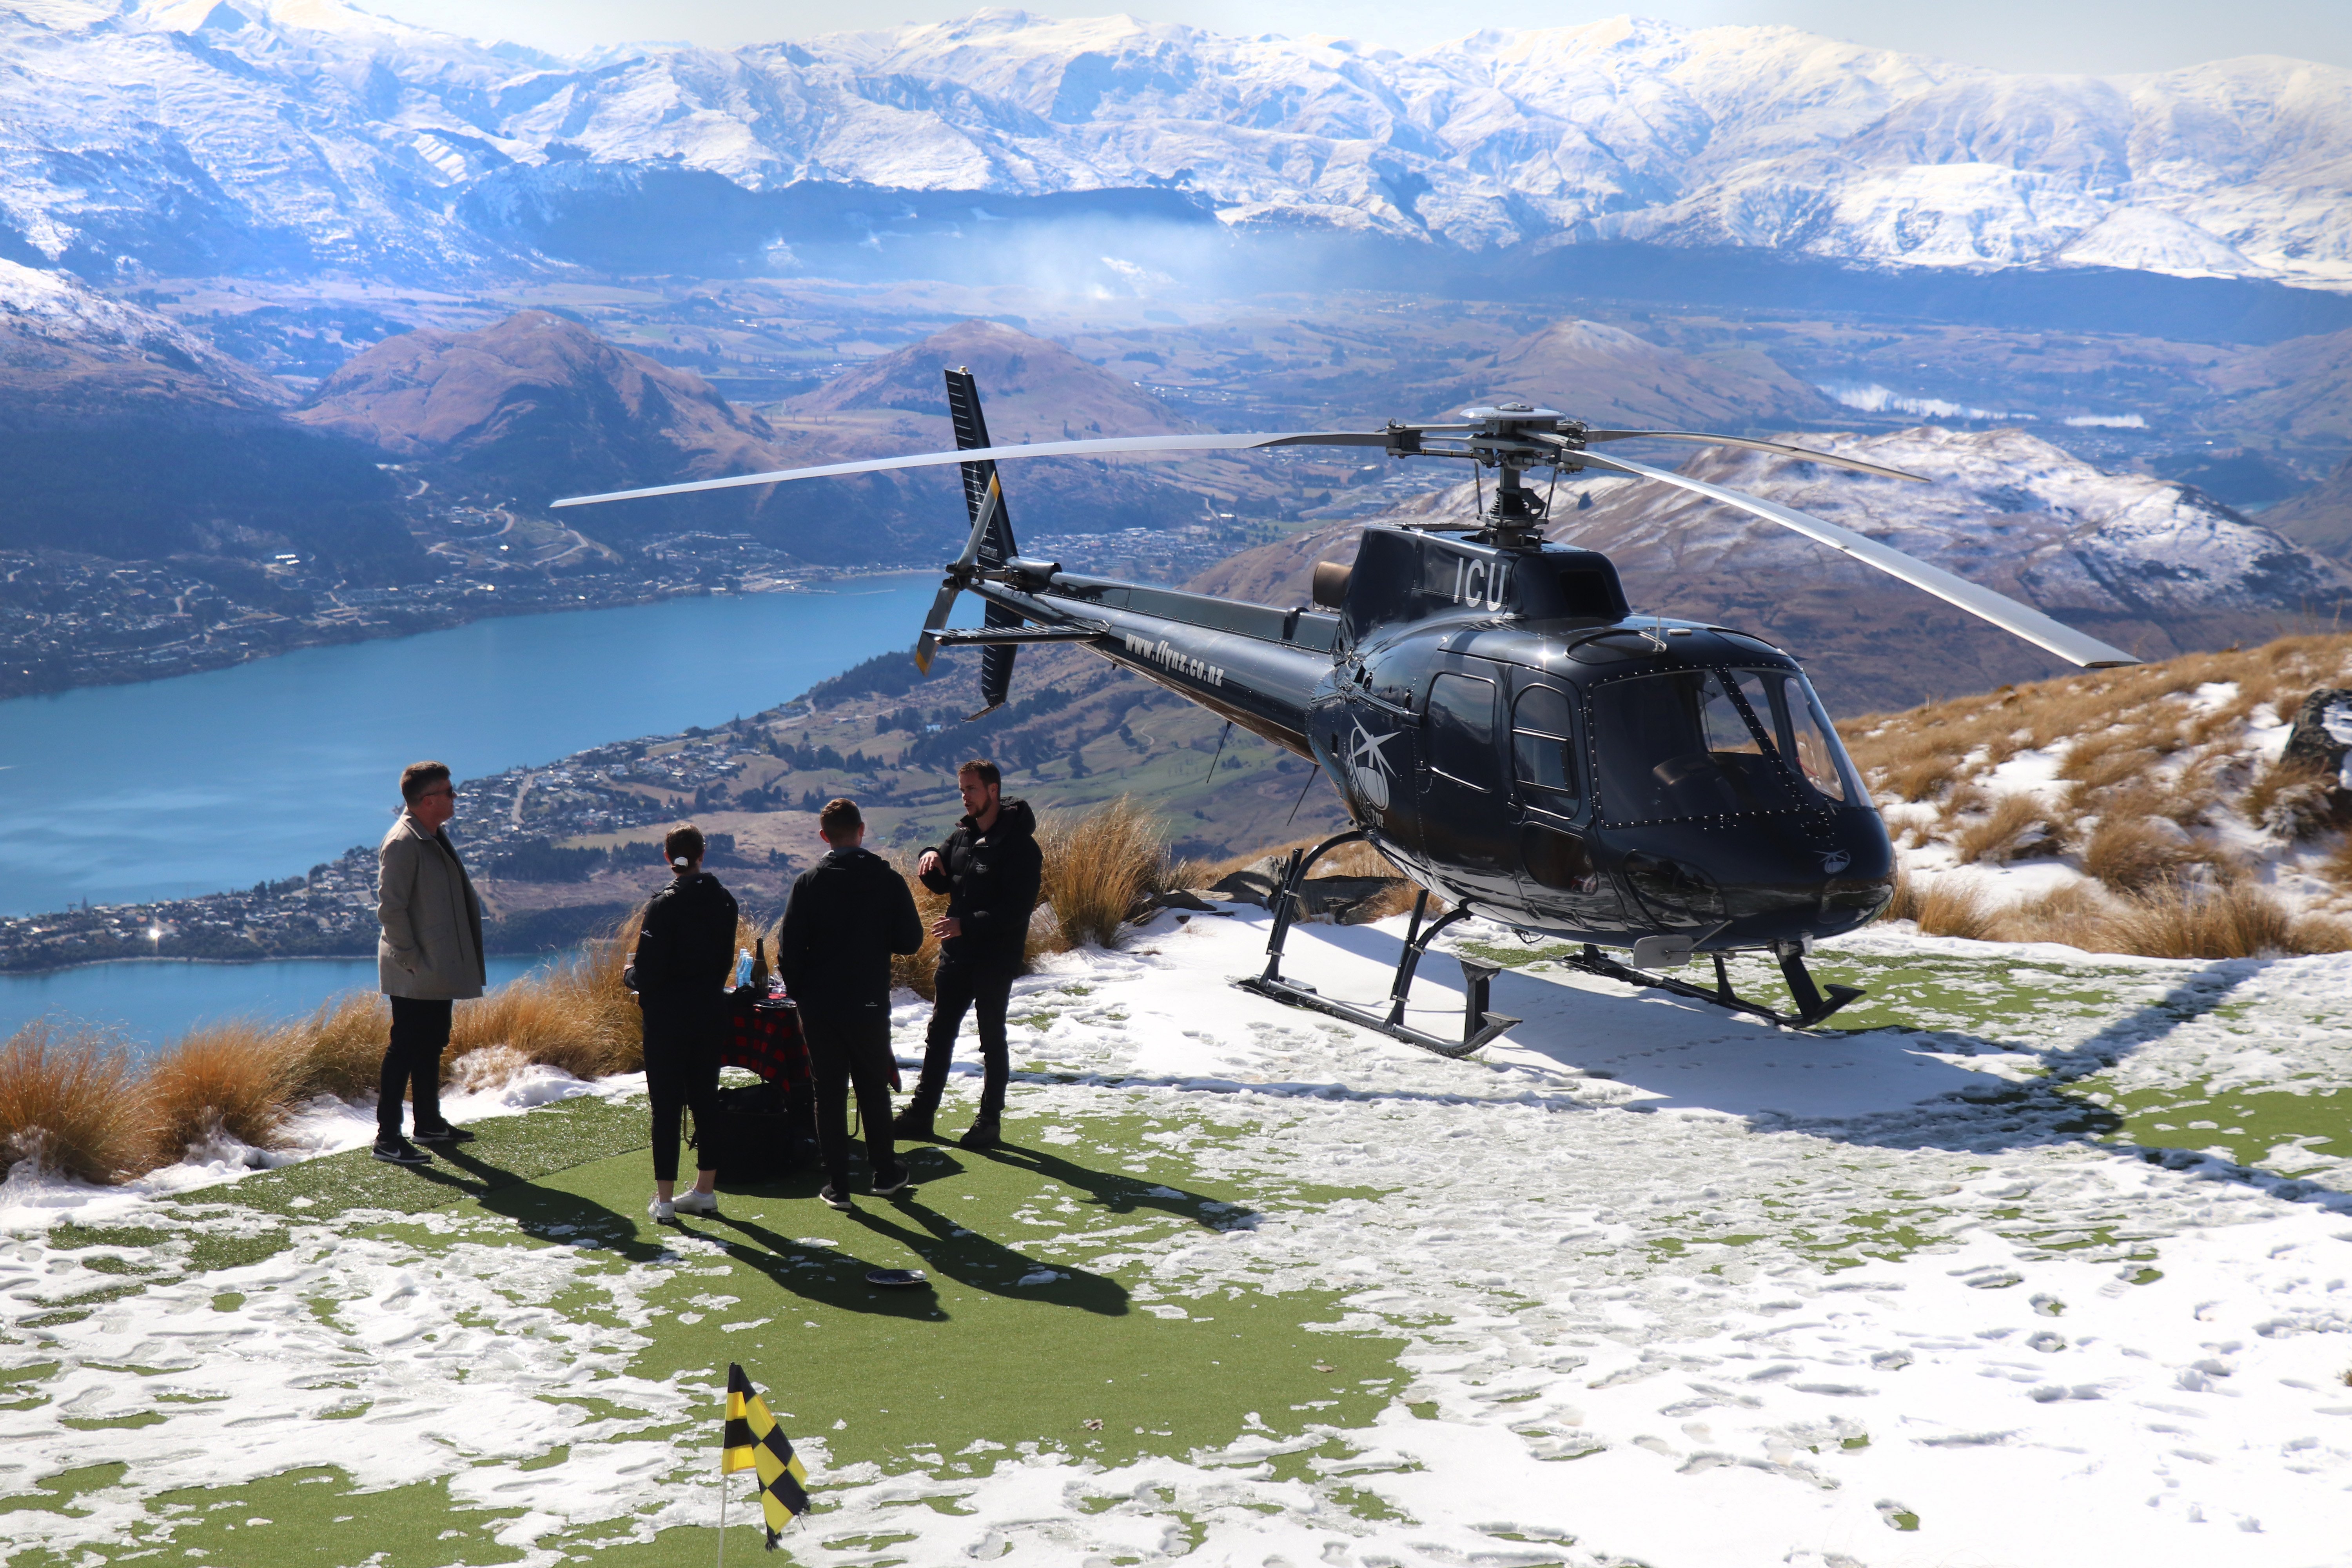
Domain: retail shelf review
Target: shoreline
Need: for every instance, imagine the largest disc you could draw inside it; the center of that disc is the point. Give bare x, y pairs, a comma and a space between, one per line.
6, 974
432, 619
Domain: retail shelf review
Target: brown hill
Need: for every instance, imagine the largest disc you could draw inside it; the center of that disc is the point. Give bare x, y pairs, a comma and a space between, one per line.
2299, 391
1606, 375
1033, 390
2157, 809
123, 435
2320, 519
539, 403
539, 406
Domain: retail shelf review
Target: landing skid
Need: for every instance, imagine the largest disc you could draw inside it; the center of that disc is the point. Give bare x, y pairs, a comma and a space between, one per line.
1479, 1027
1813, 1002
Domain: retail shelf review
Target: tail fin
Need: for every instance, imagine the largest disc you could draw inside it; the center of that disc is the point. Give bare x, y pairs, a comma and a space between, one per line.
996, 546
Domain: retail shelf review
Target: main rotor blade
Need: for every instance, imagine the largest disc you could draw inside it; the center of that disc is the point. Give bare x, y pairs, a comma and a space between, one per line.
1701, 438
2002, 611
1000, 454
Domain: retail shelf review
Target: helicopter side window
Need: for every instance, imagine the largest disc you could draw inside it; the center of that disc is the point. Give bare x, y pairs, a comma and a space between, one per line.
1543, 752
1675, 744
1462, 729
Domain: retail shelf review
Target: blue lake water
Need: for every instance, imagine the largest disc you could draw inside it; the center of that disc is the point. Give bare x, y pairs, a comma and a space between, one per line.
151, 1002
207, 782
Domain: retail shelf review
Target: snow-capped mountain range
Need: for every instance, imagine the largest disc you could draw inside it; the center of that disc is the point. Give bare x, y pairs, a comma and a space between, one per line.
187, 135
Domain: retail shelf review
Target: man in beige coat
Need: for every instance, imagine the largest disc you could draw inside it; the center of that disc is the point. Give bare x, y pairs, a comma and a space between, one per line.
430, 955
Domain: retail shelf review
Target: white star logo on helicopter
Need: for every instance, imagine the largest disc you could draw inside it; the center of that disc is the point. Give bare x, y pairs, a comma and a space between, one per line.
1369, 766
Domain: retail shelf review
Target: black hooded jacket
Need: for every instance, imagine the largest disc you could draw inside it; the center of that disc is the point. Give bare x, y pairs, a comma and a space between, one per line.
848, 915
991, 880
686, 945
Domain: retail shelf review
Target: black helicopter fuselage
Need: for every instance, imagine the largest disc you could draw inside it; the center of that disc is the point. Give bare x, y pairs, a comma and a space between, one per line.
1504, 730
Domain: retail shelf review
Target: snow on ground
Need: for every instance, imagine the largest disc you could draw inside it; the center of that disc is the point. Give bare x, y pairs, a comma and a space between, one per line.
1678, 1288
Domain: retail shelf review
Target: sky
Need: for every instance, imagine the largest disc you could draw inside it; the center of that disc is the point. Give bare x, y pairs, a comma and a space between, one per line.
2098, 36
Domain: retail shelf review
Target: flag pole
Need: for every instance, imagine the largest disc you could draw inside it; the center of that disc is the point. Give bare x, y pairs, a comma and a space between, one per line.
722, 1521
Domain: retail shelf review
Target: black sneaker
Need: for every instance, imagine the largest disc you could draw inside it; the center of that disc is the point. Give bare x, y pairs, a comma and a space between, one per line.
913, 1125
401, 1152
981, 1135
834, 1197
444, 1136
892, 1183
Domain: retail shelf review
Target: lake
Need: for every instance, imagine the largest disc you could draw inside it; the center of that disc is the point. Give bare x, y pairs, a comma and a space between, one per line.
202, 782
151, 1001
168, 788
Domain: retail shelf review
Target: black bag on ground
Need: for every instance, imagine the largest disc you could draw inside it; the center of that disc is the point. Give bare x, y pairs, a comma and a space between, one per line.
760, 1131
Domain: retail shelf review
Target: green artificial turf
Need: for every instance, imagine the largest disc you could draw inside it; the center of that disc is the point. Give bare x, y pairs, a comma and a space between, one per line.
1094, 1362
2278, 1127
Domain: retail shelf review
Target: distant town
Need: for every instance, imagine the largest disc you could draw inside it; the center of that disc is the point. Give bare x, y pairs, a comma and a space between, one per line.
506, 826
69, 620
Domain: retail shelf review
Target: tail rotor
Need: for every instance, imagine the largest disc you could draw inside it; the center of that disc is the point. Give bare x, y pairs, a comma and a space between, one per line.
985, 552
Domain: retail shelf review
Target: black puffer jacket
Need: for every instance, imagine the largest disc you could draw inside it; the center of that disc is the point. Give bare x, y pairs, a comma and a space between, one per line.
848, 915
991, 880
686, 945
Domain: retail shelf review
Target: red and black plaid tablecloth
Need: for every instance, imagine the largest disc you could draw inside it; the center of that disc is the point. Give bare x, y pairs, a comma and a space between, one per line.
764, 1034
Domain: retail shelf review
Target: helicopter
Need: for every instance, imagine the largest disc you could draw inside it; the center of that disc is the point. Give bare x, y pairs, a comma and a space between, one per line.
1500, 723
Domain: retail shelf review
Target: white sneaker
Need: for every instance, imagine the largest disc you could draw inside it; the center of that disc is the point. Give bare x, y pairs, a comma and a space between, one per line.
662, 1210
692, 1201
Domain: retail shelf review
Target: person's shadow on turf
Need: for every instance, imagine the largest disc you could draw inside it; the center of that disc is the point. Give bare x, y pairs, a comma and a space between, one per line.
1122, 1194
970, 1259
813, 1271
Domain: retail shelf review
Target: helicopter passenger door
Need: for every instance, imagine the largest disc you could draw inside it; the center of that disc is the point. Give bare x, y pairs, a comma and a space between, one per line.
1556, 872
1465, 806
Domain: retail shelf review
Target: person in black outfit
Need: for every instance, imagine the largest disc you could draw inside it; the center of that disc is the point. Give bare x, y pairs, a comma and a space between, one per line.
686, 950
848, 915
989, 868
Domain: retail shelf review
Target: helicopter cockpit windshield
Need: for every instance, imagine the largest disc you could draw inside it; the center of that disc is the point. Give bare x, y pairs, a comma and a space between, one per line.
1711, 743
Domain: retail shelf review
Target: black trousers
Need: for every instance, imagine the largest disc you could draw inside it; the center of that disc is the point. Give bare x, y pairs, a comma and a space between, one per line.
412, 1064
962, 987
846, 1046
681, 1069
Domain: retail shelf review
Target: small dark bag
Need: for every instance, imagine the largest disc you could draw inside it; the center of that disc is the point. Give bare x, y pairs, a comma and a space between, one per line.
765, 1129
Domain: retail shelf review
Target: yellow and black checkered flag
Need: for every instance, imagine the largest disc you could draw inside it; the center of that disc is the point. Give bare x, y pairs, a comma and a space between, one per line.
754, 1442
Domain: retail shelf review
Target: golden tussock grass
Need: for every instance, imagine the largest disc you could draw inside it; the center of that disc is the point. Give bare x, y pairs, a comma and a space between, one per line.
2293, 800
2017, 826
235, 1077
1942, 908
2228, 916
2068, 914
2132, 854
1100, 868
339, 1050
567, 1016
2231, 919
71, 1104
915, 970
